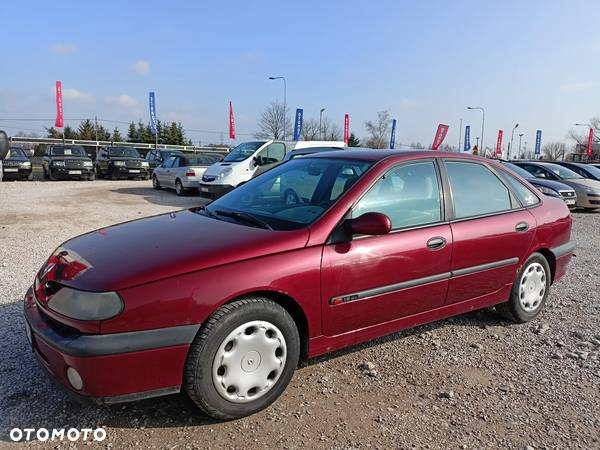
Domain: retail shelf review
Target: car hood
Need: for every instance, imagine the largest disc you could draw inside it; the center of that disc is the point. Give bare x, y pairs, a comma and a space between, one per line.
556, 185
579, 183
217, 168
145, 250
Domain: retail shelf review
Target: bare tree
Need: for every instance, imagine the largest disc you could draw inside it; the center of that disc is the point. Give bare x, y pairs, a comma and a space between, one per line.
328, 131
310, 130
581, 139
554, 151
272, 121
378, 130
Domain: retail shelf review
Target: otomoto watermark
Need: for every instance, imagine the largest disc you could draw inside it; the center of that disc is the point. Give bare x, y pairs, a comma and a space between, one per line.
57, 434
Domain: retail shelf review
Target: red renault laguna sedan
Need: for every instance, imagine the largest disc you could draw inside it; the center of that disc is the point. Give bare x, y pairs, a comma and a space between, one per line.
317, 254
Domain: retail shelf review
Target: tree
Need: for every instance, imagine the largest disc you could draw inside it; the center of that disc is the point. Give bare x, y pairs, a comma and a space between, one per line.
116, 136
417, 145
53, 133
353, 141
330, 131
378, 130
70, 133
554, 150
86, 131
272, 120
132, 133
310, 130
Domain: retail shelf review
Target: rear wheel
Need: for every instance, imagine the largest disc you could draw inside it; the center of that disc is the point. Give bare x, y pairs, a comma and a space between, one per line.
155, 183
179, 189
530, 290
242, 358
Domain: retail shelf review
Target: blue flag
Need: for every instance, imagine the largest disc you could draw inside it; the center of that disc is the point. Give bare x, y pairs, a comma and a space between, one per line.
393, 136
538, 142
298, 124
152, 113
467, 138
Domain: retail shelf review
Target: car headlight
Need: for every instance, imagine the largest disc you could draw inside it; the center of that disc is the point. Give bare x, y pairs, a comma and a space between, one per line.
87, 164
82, 305
224, 173
26, 164
548, 191
145, 164
58, 163
118, 163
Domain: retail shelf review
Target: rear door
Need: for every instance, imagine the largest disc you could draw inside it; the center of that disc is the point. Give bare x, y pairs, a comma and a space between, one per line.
492, 232
375, 279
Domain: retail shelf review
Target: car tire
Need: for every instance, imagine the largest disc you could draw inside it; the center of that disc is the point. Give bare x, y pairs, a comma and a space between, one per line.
179, 189
259, 372
155, 183
91, 177
30, 177
50, 176
530, 290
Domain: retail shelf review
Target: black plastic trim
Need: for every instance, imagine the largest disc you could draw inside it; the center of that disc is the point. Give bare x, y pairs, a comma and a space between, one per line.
487, 266
563, 249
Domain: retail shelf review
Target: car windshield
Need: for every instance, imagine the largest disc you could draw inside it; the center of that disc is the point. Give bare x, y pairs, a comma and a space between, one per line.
16, 153
205, 159
519, 171
562, 172
291, 195
123, 152
67, 151
243, 151
592, 170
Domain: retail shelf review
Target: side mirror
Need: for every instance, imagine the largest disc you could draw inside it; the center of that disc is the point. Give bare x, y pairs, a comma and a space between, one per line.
4, 144
371, 223
256, 160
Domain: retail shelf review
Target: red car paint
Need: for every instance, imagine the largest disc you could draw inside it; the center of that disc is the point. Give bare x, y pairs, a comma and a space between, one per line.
176, 269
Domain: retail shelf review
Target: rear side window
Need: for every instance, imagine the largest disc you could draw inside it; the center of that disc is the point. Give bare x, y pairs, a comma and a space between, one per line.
476, 190
409, 195
524, 194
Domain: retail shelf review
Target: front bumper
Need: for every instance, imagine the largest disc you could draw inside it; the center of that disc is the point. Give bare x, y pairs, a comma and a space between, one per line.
590, 200
128, 172
71, 173
214, 190
116, 367
15, 173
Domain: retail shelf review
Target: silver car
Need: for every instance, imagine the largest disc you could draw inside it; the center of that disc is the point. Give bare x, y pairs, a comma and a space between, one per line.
183, 172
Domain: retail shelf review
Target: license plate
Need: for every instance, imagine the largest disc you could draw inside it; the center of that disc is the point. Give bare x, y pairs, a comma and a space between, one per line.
570, 202
204, 189
134, 171
10, 169
74, 172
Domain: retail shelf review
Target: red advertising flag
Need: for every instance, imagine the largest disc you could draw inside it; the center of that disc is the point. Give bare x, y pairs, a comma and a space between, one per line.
499, 142
231, 123
346, 128
591, 143
440, 135
59, 123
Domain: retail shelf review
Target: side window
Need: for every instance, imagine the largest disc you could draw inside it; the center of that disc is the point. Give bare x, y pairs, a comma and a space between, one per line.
524, 194
476, 190
176, 162
168, 163
272, 153
409, 195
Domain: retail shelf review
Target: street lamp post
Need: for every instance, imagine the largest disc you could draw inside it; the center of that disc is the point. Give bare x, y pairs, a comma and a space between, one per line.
510, 145
284, 102
480, 108
520, 137
320, 122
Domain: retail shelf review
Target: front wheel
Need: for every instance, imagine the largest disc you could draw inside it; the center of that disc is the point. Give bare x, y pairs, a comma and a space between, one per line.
242, 358
530, 290
155, 183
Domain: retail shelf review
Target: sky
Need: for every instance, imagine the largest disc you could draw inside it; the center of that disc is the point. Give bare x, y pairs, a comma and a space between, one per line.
534, 63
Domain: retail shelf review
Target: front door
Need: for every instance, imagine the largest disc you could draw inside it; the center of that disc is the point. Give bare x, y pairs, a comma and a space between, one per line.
375, 279
492, 233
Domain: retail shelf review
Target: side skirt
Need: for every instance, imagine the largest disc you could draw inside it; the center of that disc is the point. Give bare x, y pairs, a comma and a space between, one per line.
324, 344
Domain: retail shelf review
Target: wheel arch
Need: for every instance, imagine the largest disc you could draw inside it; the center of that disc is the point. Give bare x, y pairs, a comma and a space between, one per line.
547, 253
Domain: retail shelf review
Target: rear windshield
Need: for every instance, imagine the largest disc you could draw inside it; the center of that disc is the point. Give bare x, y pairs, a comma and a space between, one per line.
123, 152
519, 170
593, 170
67, 151
562, 172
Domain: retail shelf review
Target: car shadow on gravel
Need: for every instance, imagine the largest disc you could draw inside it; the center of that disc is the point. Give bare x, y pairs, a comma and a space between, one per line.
163, 197
31, 399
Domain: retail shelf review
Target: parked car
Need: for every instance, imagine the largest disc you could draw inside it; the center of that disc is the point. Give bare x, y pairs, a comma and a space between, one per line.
244, 160
229, 296
156, 157
16, 165
585, 170
292, 155
547, 187
588, 191
183, 172
121, 162
67, 162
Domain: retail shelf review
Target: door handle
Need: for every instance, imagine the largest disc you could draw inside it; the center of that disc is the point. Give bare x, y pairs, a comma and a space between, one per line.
436, 243
522, 226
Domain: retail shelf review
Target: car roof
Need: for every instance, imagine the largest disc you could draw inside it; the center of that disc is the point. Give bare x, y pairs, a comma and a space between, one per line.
369, 154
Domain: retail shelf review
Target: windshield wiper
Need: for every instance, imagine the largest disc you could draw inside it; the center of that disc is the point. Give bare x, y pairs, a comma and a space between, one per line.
245, 217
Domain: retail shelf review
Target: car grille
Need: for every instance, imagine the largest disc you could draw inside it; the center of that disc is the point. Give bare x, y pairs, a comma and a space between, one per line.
11, 163
74, 163
567, 194
133, 164
208, 178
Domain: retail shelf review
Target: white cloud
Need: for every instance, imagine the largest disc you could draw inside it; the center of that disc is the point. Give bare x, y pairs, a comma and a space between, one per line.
74, 95
574, 87
408, 103
142, 67
63, 49
123, 100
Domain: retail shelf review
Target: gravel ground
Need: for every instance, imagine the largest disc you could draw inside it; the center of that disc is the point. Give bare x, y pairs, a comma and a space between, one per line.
473, 381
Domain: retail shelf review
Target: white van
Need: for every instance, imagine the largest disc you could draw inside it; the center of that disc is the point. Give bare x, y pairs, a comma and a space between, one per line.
241, 163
